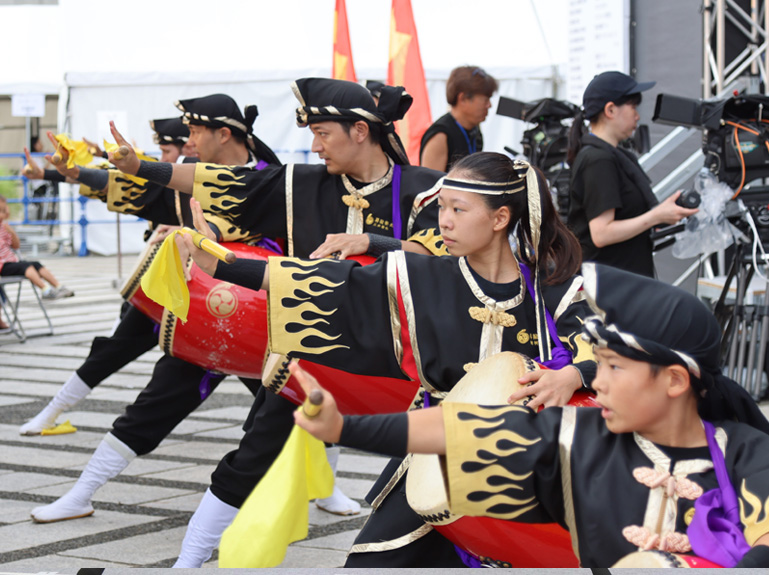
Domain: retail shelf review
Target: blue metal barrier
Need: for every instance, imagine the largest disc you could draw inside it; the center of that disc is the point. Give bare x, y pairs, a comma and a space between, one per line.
27, 199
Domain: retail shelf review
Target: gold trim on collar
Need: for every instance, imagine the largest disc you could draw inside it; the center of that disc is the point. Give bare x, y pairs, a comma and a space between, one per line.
355, 202
493, 328
290, 209
420, 202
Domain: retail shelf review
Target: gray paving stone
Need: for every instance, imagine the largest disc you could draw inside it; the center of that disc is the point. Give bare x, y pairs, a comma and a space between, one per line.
15, 511
23, 535
48, 458
339, 541
196, 449
121, 493
56, 564
299, 556
232, 432
90, 419
195, 474
139, 550
22, 482
192, 426
143, 466
14, 400
186, 503
355, 463
226, 413
122, 397
31, 388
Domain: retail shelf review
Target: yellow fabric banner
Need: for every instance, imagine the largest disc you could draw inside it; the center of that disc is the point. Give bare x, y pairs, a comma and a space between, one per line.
77, 150
164, 281
276, 513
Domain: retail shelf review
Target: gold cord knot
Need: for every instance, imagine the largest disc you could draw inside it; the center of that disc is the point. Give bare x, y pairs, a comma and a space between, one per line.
355, 202
486, 315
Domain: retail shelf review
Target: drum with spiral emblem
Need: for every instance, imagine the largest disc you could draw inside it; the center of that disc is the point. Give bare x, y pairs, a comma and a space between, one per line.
496, 542
226, 328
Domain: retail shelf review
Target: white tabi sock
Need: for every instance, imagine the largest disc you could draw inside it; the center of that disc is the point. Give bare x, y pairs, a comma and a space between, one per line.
205, 530
110, 458
70, 394
338, 503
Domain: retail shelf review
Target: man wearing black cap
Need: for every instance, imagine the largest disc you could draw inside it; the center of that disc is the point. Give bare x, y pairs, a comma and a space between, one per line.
366, 199
613, 207
177, 387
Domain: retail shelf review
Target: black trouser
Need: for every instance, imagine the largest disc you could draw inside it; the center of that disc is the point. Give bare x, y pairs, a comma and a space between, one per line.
134, 336
170, 396
393, 519
267, 428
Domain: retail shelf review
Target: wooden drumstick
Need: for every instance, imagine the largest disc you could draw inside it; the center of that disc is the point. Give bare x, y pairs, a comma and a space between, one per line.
27, 170
210, 246
56, 159
311, 405
121, 153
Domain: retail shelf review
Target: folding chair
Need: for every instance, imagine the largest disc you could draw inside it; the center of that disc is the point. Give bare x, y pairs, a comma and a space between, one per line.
10, 306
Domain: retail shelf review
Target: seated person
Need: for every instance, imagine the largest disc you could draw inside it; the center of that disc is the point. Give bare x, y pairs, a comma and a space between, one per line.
633, 469
10, 265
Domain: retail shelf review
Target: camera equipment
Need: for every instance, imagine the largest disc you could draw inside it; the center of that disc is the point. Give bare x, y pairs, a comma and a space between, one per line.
545, 145
736, 133
689, 199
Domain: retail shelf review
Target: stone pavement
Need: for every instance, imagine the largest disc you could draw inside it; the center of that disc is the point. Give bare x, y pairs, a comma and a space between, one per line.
141, 515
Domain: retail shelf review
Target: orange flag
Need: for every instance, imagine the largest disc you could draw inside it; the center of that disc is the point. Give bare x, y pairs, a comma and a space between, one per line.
405, 69
343, 68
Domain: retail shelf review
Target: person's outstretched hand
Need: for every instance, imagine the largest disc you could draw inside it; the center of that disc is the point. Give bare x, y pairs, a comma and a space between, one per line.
124, 158
327, 424
32, 170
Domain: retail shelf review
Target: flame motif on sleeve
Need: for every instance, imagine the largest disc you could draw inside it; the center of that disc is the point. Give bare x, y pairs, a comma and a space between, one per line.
216, 188
294, 312
124, 193
491, 479
755, 525
432, 240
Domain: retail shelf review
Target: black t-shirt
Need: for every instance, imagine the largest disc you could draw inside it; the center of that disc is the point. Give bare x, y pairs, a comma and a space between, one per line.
599, 184
460, 142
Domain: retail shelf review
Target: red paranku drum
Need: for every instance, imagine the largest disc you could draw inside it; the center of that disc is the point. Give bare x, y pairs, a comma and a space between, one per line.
663, 559
132, 290
498, 542
226, 328
354, 394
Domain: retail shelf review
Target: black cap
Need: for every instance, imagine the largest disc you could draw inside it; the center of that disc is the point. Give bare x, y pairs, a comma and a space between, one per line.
609, 87
218, 111
375, 87
327, 100
170, 131
221, 111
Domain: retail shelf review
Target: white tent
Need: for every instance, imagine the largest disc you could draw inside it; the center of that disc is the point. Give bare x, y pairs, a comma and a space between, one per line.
90, 100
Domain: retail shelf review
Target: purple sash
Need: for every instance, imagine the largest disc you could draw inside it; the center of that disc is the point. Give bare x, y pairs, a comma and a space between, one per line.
397, 224
715, 533
561, 356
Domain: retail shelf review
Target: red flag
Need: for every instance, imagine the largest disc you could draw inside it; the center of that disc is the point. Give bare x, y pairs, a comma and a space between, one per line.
343, 68
405, 69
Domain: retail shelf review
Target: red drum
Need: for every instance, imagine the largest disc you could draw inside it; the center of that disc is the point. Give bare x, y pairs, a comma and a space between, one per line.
494, 541
132, 290
663, 559
353, 393
226, 328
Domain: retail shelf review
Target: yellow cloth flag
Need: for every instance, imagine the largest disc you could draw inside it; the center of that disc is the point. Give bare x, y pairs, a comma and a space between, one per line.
77, 150
276, 513
164, 281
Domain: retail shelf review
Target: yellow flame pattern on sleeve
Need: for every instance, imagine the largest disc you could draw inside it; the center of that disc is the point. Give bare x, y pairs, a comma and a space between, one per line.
290, 278
214, 187
757, 521
476, 443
